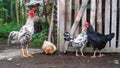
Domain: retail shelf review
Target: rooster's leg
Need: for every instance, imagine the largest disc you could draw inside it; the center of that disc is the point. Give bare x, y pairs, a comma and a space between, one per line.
27, 52
81, 50
76, 52
94, 55
23, 53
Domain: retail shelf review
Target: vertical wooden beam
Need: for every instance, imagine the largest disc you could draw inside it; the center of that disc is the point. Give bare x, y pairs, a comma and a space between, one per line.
76, 5
119, 27
107, 19
92, 13
84, 18
68, 15
76, 22
61, 22
114, 22
99, 16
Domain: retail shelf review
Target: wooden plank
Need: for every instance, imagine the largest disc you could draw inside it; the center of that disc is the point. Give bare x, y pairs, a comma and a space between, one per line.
114, 22
61, 21
77, 6
92, 13
107, 19
68, 15
78, 17
99, 16
89, 50
119, 27
76, 22
84, 18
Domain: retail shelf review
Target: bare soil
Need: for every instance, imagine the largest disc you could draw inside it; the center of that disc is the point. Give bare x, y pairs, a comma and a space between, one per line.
60, 60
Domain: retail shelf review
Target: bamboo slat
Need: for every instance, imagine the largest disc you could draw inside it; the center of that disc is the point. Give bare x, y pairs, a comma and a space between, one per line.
92, 13
107, 19
99, 16
68, 15
114, 22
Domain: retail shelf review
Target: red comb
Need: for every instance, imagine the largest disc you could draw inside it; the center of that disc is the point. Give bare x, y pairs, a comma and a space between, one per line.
32, 12
86, 25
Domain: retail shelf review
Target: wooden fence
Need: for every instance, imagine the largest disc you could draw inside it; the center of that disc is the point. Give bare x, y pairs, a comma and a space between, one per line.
104, 15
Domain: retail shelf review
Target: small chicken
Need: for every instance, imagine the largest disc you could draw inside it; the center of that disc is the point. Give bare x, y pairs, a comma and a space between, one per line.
97, 40
48, 47
80, 41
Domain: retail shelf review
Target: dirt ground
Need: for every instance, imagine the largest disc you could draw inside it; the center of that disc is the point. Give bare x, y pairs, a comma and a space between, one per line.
60, 60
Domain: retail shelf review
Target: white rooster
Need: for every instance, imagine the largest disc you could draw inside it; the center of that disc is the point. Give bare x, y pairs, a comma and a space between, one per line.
24, 36
80, 41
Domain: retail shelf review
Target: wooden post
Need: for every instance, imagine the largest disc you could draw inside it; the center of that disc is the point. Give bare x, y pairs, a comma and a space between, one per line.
76, 22
61, 22
84, 18
114, 22
99, 16
107, 19
93, 12
68, 15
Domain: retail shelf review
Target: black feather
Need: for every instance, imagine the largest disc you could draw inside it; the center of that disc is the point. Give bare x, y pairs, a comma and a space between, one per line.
98, 40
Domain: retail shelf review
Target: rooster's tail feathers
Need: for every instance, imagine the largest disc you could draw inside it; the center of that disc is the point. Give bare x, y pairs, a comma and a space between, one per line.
110, 36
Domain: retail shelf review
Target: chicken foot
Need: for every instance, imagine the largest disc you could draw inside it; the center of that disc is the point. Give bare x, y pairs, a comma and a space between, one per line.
77, 52
81, 50
27, 52
94, 55
23, 53
100, 55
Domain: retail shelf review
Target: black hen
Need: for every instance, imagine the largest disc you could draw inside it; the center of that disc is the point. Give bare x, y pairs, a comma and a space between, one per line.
97, 40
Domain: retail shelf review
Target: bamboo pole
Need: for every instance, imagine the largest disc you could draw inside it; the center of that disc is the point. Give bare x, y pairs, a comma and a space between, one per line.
51, 24
17, 12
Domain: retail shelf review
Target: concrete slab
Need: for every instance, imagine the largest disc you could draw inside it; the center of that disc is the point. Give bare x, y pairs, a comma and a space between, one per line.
11, 53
